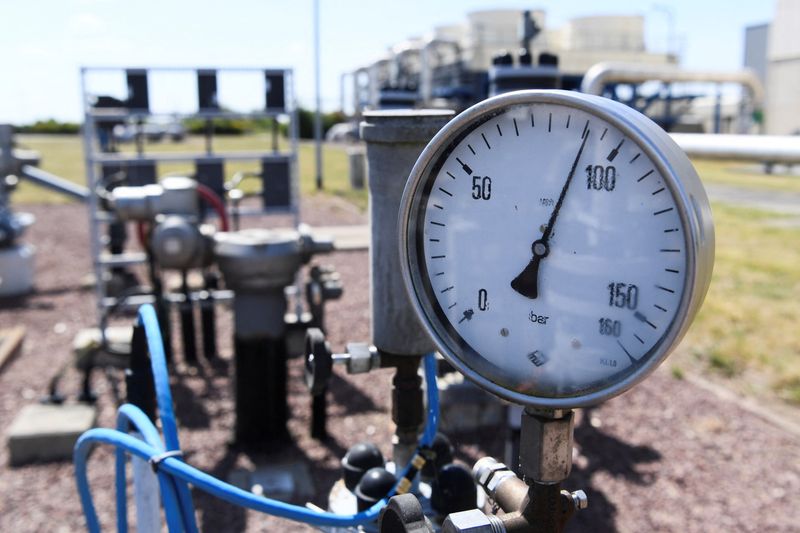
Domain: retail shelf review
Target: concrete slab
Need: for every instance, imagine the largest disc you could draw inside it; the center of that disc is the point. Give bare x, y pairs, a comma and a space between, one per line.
346, 238
283, 481
48, 432
87, 346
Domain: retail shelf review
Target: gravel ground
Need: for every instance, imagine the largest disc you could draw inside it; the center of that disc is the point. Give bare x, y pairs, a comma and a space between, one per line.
667, 456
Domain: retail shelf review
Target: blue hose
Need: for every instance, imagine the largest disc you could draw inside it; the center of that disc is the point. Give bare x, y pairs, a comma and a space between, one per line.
129, 415
158, 362
176, 496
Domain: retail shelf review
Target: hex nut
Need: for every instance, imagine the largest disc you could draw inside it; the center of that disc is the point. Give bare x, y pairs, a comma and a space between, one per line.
360, 359
545, 453
580, 499
472, 521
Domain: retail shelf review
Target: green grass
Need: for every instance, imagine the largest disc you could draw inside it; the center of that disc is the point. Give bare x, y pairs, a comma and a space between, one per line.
63, 155
750, 321
741, 174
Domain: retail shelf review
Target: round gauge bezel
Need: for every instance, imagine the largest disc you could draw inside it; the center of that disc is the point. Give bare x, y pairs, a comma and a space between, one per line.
678, 175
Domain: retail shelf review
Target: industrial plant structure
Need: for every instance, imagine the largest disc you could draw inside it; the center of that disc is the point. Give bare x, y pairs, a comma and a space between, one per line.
773, 51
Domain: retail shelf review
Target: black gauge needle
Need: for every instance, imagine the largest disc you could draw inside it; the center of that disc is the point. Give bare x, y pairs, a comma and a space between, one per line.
527, 282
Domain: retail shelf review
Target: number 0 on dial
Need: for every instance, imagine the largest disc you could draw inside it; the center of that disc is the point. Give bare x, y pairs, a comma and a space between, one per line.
556, 246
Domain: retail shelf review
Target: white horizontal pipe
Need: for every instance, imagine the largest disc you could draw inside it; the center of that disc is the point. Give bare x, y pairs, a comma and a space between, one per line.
784, 149
609, 72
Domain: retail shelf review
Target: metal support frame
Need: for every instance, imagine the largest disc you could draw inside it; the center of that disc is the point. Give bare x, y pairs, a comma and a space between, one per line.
93, 157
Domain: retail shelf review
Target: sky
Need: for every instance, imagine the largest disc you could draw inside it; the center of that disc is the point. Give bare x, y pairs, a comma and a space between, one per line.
45, 42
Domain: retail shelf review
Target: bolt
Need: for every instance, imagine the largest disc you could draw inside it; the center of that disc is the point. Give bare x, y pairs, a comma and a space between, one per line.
580, 500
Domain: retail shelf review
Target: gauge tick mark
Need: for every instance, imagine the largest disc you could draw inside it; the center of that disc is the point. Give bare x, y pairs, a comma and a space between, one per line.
640, 317
658, 191
613, 154
638, 338
467, 315
659, 307
487, 142
516, 129
437, 223
447, 289
448, 193
499, 130
450, 175
569, 117
471, 149
643, 177
672, 271
626, 352
549, 123
635, 158
665, 289
663, 211
464, 166
604, 134
585, 127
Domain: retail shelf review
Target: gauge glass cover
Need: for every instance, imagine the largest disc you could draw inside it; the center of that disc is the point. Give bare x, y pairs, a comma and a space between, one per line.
551, 245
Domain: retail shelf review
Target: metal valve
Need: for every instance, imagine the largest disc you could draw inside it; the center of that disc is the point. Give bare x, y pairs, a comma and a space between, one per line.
360, 357
319, 361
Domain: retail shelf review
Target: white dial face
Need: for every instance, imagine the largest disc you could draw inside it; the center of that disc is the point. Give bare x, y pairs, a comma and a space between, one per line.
551, 249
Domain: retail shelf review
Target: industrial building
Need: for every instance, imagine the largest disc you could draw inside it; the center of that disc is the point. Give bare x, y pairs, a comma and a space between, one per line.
773, 51
448, 66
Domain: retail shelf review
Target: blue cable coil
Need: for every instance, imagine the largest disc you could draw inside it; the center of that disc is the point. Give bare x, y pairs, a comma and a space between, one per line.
175, 476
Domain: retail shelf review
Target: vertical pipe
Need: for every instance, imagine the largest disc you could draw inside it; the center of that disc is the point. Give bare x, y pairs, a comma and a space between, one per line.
342, 91
318, 114
208, 318
261, 368
209, 136
319, 415
669, 121
94, 225
187, 323
394, 141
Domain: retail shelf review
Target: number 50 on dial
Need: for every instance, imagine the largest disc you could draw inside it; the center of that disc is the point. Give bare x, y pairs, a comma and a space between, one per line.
555, 245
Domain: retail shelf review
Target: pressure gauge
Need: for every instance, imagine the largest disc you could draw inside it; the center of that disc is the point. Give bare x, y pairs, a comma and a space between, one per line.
555, 245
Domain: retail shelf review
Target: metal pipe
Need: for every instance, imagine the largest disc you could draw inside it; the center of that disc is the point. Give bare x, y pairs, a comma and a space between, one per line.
318, 100
603, 73
394, 140
426, 66
56, 183
378, 73
783, 149
358, 89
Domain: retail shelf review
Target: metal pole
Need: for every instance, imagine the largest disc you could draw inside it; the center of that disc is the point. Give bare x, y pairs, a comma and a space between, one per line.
671, 35
318, 114
95, 243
